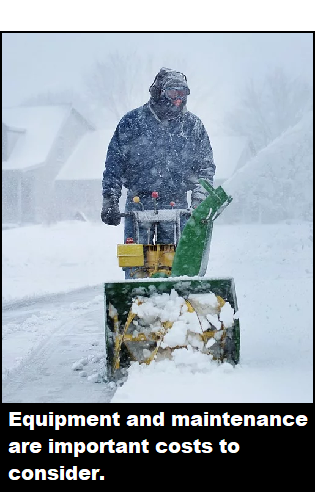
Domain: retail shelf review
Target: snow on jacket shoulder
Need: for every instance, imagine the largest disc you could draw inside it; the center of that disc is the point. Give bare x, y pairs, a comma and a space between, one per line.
147, 154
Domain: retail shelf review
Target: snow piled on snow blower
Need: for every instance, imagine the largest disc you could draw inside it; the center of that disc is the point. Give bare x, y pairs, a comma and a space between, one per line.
149, 319
180, 322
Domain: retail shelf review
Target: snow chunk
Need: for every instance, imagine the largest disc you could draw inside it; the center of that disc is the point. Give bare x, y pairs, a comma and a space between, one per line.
95, 378
227, 315
77, 366
191, 359
165, 307
176, 336
146, 353
214, 320
210, 343
204, 303
112, 311
195, 341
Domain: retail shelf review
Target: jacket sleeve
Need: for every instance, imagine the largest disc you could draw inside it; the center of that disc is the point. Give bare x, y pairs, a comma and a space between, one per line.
203, 166
114, 165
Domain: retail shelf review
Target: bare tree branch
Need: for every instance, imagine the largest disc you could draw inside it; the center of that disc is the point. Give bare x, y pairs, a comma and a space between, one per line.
266, 111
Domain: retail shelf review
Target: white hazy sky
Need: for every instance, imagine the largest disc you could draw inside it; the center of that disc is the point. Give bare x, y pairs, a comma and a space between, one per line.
36, 62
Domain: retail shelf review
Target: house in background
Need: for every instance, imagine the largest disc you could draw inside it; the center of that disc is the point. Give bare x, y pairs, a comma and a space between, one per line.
36, 142
78, 185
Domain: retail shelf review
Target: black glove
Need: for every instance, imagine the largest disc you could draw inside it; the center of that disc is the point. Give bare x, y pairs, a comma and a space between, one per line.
110, 213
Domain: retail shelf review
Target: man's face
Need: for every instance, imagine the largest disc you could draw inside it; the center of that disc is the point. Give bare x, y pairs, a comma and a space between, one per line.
176, 95
177, 102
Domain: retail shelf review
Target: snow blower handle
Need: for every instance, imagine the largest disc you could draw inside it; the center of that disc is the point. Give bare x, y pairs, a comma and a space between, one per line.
151, 218
126, 214
183, 212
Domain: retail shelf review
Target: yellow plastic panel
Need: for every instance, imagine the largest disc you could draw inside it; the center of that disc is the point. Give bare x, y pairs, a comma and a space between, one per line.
130, 255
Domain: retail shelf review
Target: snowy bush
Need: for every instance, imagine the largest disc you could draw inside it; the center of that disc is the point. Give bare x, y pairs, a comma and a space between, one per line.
277, 184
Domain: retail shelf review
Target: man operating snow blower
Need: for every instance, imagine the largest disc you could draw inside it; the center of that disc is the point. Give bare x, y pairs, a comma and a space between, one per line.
159, 152
160, 146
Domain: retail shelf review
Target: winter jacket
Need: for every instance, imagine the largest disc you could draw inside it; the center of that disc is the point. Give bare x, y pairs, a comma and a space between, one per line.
146, 154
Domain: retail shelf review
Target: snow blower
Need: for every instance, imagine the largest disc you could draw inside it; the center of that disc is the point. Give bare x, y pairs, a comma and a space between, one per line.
168, 304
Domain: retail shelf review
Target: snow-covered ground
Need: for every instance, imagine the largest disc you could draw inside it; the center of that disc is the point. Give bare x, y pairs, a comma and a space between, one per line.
53, 348
39, 260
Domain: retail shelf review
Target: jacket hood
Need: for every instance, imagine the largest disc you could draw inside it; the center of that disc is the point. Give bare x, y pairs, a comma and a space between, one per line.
166, 78
161, 106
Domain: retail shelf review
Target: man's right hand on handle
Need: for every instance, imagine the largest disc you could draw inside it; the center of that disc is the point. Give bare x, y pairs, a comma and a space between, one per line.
110, 213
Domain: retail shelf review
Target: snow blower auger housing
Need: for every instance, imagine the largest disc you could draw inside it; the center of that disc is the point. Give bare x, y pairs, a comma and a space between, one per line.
168, 304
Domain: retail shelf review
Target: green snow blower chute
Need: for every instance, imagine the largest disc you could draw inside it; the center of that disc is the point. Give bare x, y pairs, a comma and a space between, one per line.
168, 304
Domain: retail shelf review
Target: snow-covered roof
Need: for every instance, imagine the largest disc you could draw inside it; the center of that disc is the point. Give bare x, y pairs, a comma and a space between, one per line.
227, 152
41, 125
87, 161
